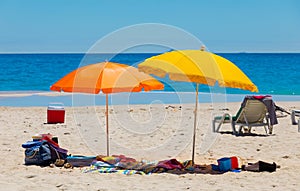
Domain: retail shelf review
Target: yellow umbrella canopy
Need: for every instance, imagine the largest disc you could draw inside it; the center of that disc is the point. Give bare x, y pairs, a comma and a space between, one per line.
108, 77
197, 66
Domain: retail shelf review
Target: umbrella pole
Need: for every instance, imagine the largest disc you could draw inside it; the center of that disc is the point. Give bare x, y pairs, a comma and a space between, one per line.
195, 124
107, 138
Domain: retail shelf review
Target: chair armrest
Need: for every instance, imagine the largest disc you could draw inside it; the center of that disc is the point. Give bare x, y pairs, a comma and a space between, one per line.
223, 117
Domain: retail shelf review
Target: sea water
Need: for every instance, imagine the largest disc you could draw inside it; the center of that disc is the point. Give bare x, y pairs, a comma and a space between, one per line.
273, 73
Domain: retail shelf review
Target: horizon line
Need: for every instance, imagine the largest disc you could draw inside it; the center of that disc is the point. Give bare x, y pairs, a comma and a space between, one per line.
226, 52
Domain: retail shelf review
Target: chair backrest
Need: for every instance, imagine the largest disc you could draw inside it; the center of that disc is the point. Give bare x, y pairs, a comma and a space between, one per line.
254, 112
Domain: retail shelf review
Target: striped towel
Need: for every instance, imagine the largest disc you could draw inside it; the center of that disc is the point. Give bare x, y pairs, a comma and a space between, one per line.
107, 170
130, 172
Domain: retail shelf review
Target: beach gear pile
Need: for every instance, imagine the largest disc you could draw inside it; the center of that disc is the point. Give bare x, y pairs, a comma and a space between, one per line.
125, 165
44, 150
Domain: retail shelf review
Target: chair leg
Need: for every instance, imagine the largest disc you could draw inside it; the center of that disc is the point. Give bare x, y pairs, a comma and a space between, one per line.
219, 126
266, 129
240, 129
214, 125
270, 129
233, 128
215, 130
249, 129
293, 117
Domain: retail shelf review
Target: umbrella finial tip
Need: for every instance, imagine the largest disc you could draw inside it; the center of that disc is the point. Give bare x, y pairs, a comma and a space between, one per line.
202, 48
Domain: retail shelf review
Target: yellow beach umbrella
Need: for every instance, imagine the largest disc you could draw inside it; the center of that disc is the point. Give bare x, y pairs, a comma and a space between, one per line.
107, 77
197, 66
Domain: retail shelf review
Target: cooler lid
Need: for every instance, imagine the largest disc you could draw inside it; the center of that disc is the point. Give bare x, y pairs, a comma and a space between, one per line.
56, 106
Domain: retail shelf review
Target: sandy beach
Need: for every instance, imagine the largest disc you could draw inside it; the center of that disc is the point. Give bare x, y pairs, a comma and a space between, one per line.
140, 83
150, 132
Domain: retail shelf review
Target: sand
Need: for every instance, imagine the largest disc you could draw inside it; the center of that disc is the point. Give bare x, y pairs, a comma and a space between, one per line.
152, 132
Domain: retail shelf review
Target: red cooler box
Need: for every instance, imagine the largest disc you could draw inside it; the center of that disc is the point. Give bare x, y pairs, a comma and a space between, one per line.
56, 113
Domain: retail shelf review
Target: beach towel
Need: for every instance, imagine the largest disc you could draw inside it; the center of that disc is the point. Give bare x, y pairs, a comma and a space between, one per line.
268, 102
170, 164
130, 172
103, 167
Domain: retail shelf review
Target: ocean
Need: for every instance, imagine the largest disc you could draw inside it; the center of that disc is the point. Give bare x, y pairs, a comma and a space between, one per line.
273, 73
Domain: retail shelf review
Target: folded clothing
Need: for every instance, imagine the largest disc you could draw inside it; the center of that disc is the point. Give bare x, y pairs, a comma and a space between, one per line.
80, 161
260, 166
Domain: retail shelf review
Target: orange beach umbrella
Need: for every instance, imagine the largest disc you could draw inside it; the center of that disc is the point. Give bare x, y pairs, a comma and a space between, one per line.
107, 77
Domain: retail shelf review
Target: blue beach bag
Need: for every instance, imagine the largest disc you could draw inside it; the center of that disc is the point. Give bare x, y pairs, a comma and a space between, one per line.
42, 153
37, 153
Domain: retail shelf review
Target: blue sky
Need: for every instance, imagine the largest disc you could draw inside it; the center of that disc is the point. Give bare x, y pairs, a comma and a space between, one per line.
222, 25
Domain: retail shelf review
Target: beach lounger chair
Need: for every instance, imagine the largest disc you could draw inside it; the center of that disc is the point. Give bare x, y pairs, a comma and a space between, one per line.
254, 113
296, 113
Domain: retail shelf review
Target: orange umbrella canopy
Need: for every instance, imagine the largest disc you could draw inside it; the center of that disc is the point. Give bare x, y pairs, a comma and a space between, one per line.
107, 77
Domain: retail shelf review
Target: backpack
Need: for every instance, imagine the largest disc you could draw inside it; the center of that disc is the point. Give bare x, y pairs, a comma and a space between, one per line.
42, 153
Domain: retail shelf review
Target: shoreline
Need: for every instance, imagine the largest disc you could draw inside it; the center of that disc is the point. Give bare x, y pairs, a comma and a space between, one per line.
43, 98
